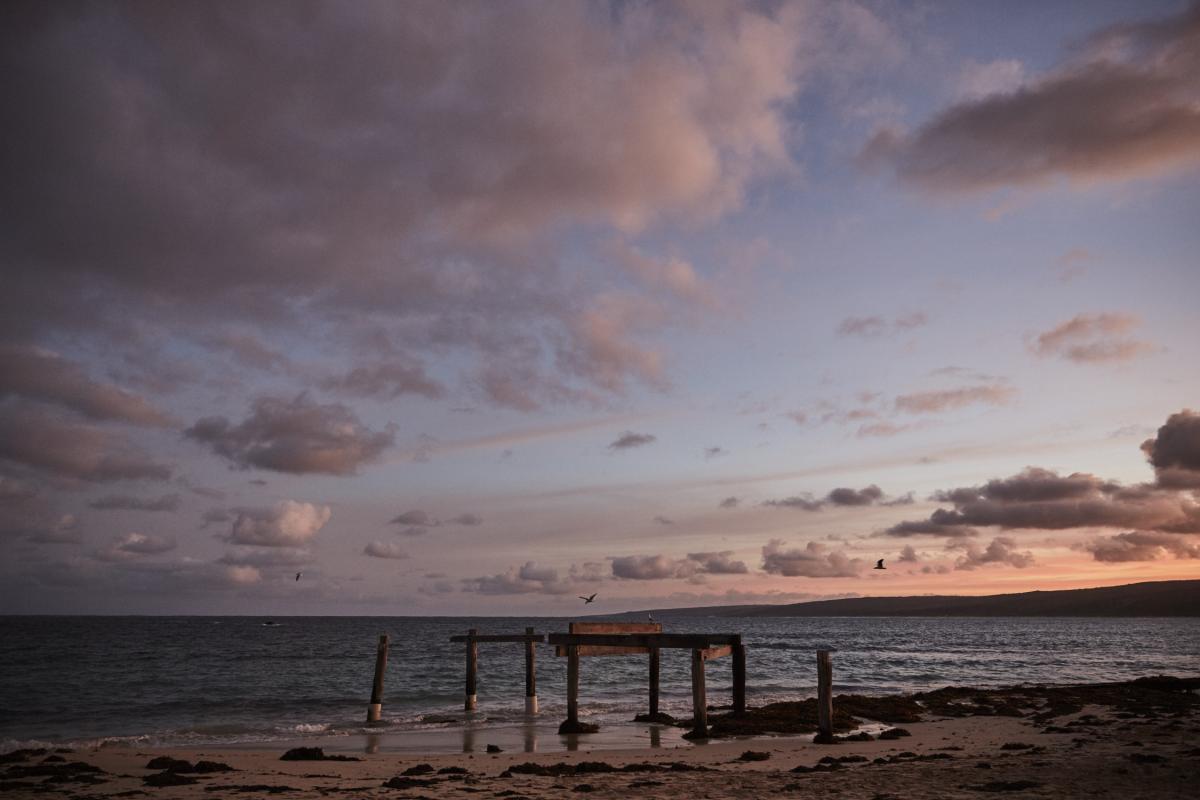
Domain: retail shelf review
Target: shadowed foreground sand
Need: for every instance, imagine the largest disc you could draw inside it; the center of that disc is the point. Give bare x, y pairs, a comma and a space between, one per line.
1109, 750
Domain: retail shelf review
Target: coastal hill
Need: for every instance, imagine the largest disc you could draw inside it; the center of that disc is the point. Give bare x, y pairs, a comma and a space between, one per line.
1151, 599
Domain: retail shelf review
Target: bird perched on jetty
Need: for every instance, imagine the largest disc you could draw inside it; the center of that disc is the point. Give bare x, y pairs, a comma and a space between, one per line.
879, 564
649, 617
298, 574
587, 600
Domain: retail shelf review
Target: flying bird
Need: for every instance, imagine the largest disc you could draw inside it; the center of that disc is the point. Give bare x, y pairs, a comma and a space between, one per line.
298, 574
879, 564
587, 600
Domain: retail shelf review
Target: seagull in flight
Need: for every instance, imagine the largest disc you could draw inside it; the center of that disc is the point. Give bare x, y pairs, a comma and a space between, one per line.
587, 600
298, 574
879, 564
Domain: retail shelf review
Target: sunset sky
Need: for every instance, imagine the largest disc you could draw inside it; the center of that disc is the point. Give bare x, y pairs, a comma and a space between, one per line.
466, 307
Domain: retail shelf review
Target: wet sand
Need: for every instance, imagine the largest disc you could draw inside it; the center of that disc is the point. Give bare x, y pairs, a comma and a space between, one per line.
1039, 746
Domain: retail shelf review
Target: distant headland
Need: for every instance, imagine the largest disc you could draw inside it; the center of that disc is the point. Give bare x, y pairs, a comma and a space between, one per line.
1149, 599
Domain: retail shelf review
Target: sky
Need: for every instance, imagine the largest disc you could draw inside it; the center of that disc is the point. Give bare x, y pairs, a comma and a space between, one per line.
435, 308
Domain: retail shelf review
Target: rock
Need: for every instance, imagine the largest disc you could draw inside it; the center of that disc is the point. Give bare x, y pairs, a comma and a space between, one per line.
170, 764
753, 755
894, 733
402, 782
167, 779
659, 719
312, 754
452, 771
494, 748
577, 727
419, 769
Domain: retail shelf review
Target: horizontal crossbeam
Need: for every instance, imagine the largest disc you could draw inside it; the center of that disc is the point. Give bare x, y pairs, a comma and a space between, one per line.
716, 652
687, 641
501, 637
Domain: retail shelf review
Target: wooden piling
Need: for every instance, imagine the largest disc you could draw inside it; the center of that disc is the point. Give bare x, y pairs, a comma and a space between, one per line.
699, 698
824, 697
739, 677
531, 701
375, 709
573, 685
472, 668
654, 671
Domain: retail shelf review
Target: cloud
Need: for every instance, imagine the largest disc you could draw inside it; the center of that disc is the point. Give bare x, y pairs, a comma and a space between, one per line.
729, 502
417, 522
714, 452
1142, 546
529, 578
1042, 499
118, 502
720, 563
1174, 451
814, 561
288, 524
1002, 76
874, 326
995, 394
1126, 109
1092, 338
297, 436
378, 549
908, 555
70, 450
881, 429
248, 351
1001, 550
659, 567
65, 530
386, 382
41, 375
629, 440
414, 517
133, 545
663, 521
843, 497
467, 519
260, 557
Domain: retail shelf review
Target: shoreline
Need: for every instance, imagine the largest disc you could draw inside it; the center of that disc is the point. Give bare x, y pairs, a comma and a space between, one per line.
1084, 740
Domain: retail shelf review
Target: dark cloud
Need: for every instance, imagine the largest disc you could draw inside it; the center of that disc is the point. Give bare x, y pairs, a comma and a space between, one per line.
1001, 550
133, 545
1142, 546
841, 497
629, 440
721, 563
392, 190
288, 524
37, 374
714, 452
1174, 452
1091, 338
215, 516
874, 326
908, 555
297, 436
120, 502
385, 381
414, 517
663, 521
378, 549
71, 450
729, 502
814, 561
467, 519
266, 557
529, 578
1042, 499
1126, 109
931, 402
658, 567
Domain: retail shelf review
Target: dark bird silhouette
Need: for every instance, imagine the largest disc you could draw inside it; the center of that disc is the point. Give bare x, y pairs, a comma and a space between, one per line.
879, 564
298, 574
587, 600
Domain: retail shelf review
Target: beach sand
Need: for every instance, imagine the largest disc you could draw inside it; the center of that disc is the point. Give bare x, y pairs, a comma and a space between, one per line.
1094, 751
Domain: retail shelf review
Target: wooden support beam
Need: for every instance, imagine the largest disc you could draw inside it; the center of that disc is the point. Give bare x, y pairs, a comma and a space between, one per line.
501, 637
824, 697
472, 668
573, 686
699, 698
375, 709
684, 641
739, 678
531, 702
654, 670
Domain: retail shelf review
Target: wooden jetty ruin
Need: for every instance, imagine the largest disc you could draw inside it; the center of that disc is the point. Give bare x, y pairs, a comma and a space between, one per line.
588, 639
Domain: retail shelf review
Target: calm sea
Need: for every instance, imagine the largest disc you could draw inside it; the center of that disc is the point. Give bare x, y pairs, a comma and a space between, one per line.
192, 680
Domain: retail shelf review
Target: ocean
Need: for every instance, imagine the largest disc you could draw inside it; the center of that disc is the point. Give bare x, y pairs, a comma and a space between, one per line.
164, 681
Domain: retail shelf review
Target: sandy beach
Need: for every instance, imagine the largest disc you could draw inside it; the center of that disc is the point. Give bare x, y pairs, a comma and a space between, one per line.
1026, 742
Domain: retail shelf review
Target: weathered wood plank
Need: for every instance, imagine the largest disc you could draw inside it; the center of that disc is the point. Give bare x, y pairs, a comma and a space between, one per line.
375, 709
710, 653
699, 697
739, 678
824, 698
472, 668
501, 637
589, 650
687, 641
614, 627
654, 670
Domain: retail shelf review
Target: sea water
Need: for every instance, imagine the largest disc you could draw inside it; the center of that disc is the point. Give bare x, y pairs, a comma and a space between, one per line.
237, 680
